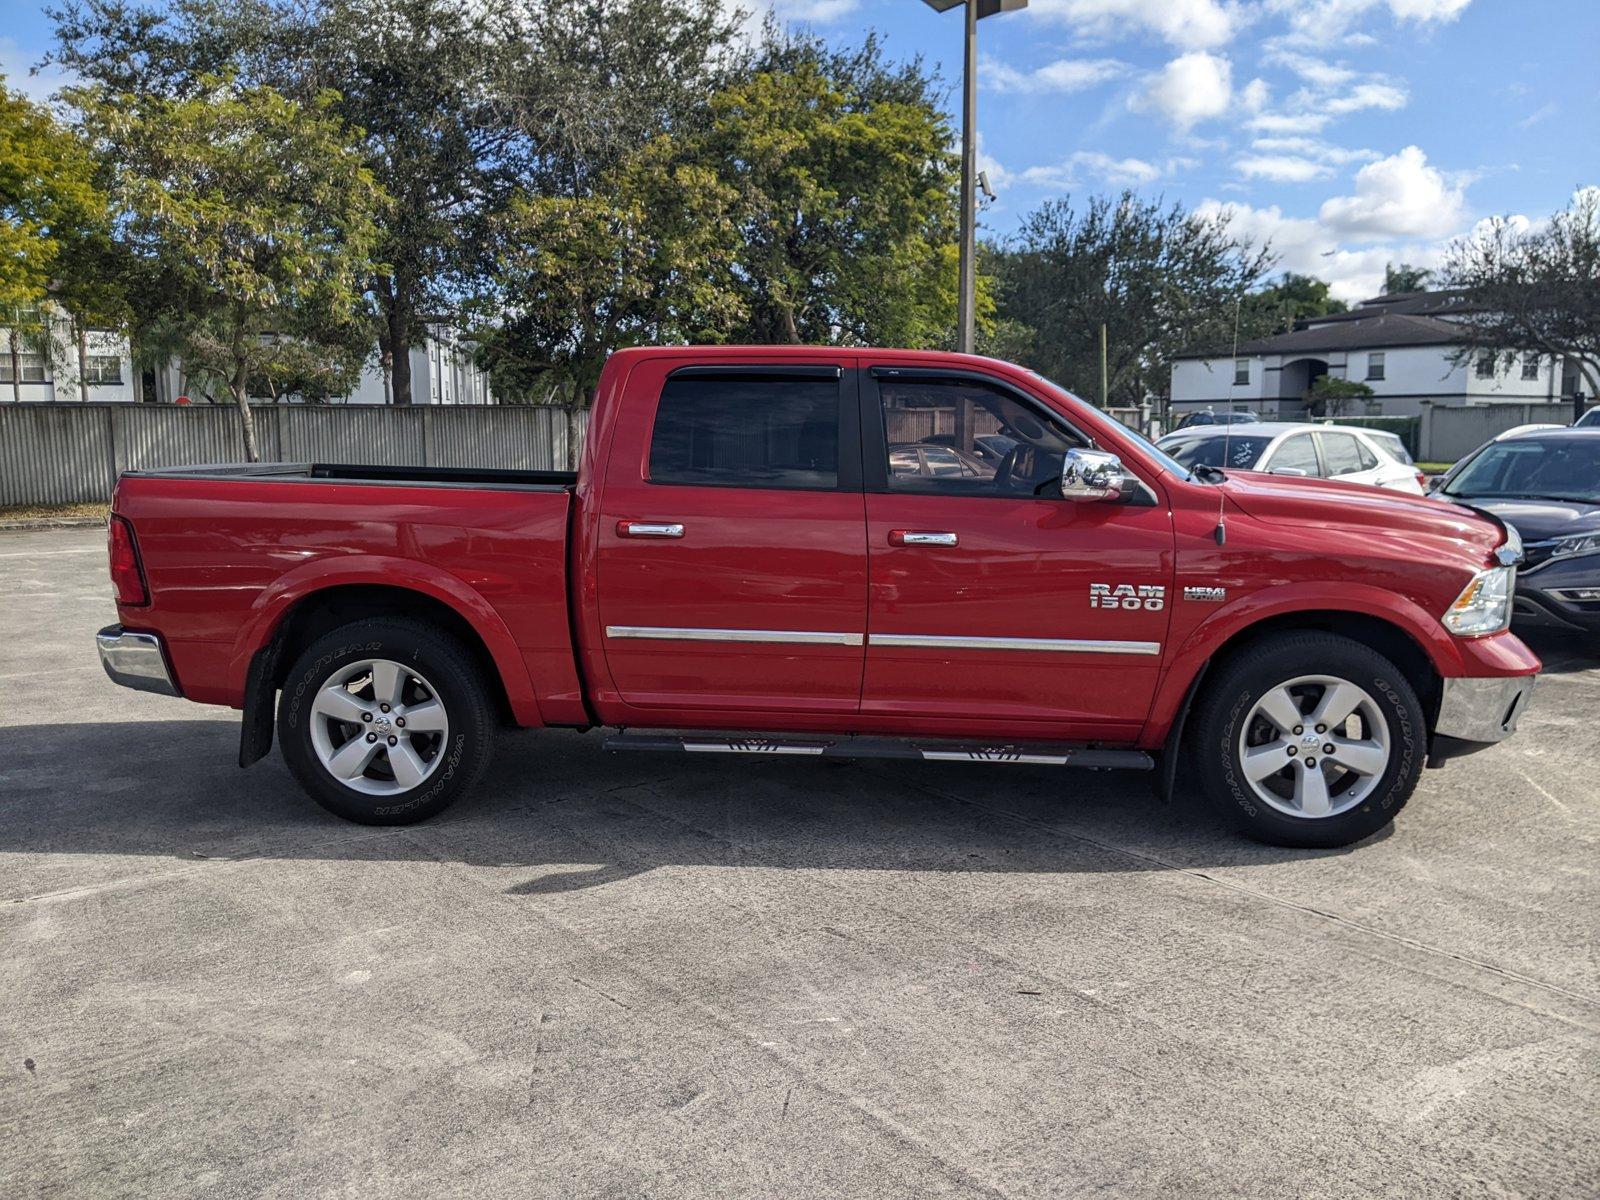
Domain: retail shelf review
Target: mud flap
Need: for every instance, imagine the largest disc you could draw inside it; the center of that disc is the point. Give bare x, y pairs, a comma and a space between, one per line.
255, 728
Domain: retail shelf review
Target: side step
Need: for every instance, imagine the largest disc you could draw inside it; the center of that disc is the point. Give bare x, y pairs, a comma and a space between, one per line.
1053, 754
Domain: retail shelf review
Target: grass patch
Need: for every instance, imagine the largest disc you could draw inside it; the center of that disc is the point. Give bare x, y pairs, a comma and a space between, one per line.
53, 512
1434, 468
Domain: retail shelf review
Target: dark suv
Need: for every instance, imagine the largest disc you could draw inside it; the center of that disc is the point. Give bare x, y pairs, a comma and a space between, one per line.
1546, 485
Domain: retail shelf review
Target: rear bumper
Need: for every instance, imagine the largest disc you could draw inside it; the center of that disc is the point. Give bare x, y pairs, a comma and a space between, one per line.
135, 660
1476, 713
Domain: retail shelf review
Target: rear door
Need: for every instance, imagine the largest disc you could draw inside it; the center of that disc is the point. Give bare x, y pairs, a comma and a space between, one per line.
1346, 458
993, 603
731, 565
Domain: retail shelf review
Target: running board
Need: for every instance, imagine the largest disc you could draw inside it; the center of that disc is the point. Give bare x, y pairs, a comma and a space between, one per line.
1052, 754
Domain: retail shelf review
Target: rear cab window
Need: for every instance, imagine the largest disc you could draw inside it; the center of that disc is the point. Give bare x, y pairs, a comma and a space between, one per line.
753, 430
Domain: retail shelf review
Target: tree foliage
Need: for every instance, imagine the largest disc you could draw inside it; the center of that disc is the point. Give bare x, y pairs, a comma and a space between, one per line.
1405, 278
1288, 299
1159, 278
1331, 397
51, 214
257, 215
1535, 290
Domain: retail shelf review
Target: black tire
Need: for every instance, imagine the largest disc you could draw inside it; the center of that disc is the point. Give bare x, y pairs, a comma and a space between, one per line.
1247, 678
453, 758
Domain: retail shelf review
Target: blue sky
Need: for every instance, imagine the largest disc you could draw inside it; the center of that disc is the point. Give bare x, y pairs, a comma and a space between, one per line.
1349, 132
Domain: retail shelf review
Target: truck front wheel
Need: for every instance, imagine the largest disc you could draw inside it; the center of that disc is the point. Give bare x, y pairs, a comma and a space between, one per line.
1310, 740
385, 721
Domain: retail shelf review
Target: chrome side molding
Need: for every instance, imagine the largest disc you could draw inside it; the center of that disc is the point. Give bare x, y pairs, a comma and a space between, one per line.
798, 637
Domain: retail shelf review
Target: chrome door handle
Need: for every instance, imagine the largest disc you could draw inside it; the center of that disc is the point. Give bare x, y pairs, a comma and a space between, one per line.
649, 529
921, 537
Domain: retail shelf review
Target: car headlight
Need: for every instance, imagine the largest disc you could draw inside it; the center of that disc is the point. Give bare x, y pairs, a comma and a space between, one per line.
1484, 605
1578, 543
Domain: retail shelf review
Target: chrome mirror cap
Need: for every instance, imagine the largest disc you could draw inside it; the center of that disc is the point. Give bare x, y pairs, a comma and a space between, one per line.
1092, 475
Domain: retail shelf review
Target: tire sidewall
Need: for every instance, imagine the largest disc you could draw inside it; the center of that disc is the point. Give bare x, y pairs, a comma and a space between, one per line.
446, 669
1244, 683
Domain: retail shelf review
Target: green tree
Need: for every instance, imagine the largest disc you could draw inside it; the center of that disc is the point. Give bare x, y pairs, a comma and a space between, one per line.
259, 218
842, 185
1331, 397
49, 208
1534, 290
1159, 278
1288, 299
1405, 278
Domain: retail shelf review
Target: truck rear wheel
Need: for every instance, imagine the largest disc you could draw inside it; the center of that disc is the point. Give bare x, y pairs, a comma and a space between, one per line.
385, 721
1310, 740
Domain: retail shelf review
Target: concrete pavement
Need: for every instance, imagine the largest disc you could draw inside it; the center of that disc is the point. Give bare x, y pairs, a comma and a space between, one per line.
640, 975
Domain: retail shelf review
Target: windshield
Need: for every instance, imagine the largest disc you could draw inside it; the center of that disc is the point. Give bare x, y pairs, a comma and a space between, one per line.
1241, 452
1158, 456
1537, 468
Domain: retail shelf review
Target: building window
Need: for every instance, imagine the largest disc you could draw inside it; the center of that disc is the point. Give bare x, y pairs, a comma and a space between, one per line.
1530, 366
104, 368
33, 368
1486, 364
1241, 372
1375, 365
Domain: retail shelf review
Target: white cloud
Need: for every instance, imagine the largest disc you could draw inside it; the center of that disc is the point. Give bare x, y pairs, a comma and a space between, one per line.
1398, 196
1282, 168
1253, 97
1308, 247
1063, 75
1317, 22
1118, 172
1366, 95
1187, 24
1191, 88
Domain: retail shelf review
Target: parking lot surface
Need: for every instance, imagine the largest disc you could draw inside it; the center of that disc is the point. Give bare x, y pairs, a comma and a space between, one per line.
639, 975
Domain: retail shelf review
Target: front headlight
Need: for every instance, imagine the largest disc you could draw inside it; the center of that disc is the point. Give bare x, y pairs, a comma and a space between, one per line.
1484, 605
1579, 543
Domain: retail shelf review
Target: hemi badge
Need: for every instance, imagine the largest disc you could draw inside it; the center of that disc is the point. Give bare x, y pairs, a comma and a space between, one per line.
1211, 595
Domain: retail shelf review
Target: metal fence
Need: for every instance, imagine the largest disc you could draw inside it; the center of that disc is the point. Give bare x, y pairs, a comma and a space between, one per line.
73, 453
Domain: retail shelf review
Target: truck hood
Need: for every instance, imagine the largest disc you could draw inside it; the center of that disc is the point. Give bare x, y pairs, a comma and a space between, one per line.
1282, 500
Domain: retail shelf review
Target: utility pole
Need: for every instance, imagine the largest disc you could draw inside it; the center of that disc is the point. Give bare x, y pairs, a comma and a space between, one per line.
967, 292
1105, 384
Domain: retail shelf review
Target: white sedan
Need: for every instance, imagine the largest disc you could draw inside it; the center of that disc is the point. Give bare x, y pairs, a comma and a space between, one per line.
1345, 453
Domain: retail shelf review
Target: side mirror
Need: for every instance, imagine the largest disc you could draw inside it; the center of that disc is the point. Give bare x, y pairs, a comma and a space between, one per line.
1296, 472
1435, 483
1092, 475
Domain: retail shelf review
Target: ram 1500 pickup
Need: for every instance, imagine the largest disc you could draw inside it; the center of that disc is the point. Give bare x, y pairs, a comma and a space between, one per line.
831, 552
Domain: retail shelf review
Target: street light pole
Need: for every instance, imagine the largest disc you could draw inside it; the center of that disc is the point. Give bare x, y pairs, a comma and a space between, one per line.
967, 296
966, 288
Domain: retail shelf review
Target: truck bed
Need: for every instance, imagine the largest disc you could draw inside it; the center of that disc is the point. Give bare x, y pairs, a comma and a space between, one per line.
371, 474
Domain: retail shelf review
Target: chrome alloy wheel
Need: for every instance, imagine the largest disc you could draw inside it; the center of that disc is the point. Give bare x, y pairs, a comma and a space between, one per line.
378, 727
1314, 746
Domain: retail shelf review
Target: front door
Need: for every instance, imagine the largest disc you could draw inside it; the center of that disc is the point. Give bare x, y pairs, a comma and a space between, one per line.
731, 570
994, 603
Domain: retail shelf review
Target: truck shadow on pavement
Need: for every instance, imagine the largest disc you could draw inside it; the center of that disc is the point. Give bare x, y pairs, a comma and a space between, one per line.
554, 802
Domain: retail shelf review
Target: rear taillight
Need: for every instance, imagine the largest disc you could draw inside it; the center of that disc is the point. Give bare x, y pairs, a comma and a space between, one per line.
127, 575
1422, 481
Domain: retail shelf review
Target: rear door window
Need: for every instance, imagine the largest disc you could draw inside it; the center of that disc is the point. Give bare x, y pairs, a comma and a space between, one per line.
1296, 453
1341, 454
755, 432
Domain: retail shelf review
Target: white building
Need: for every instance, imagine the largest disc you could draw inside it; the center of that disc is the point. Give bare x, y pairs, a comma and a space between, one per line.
1404, 347
442, 372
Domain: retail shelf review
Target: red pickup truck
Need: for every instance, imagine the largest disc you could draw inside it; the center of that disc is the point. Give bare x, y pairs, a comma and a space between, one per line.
831, 552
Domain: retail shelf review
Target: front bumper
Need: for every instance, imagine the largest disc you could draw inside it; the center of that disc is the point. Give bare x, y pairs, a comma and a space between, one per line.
1476, 713
135, 660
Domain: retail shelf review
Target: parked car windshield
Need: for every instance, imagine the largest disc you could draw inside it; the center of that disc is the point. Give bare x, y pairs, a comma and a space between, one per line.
1553, 468
1241, 452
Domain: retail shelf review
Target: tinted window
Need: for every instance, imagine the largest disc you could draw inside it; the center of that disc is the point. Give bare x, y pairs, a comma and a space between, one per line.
1341, 453
1296, 453
748, 433
969, 439
1542, 468
1220, 450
